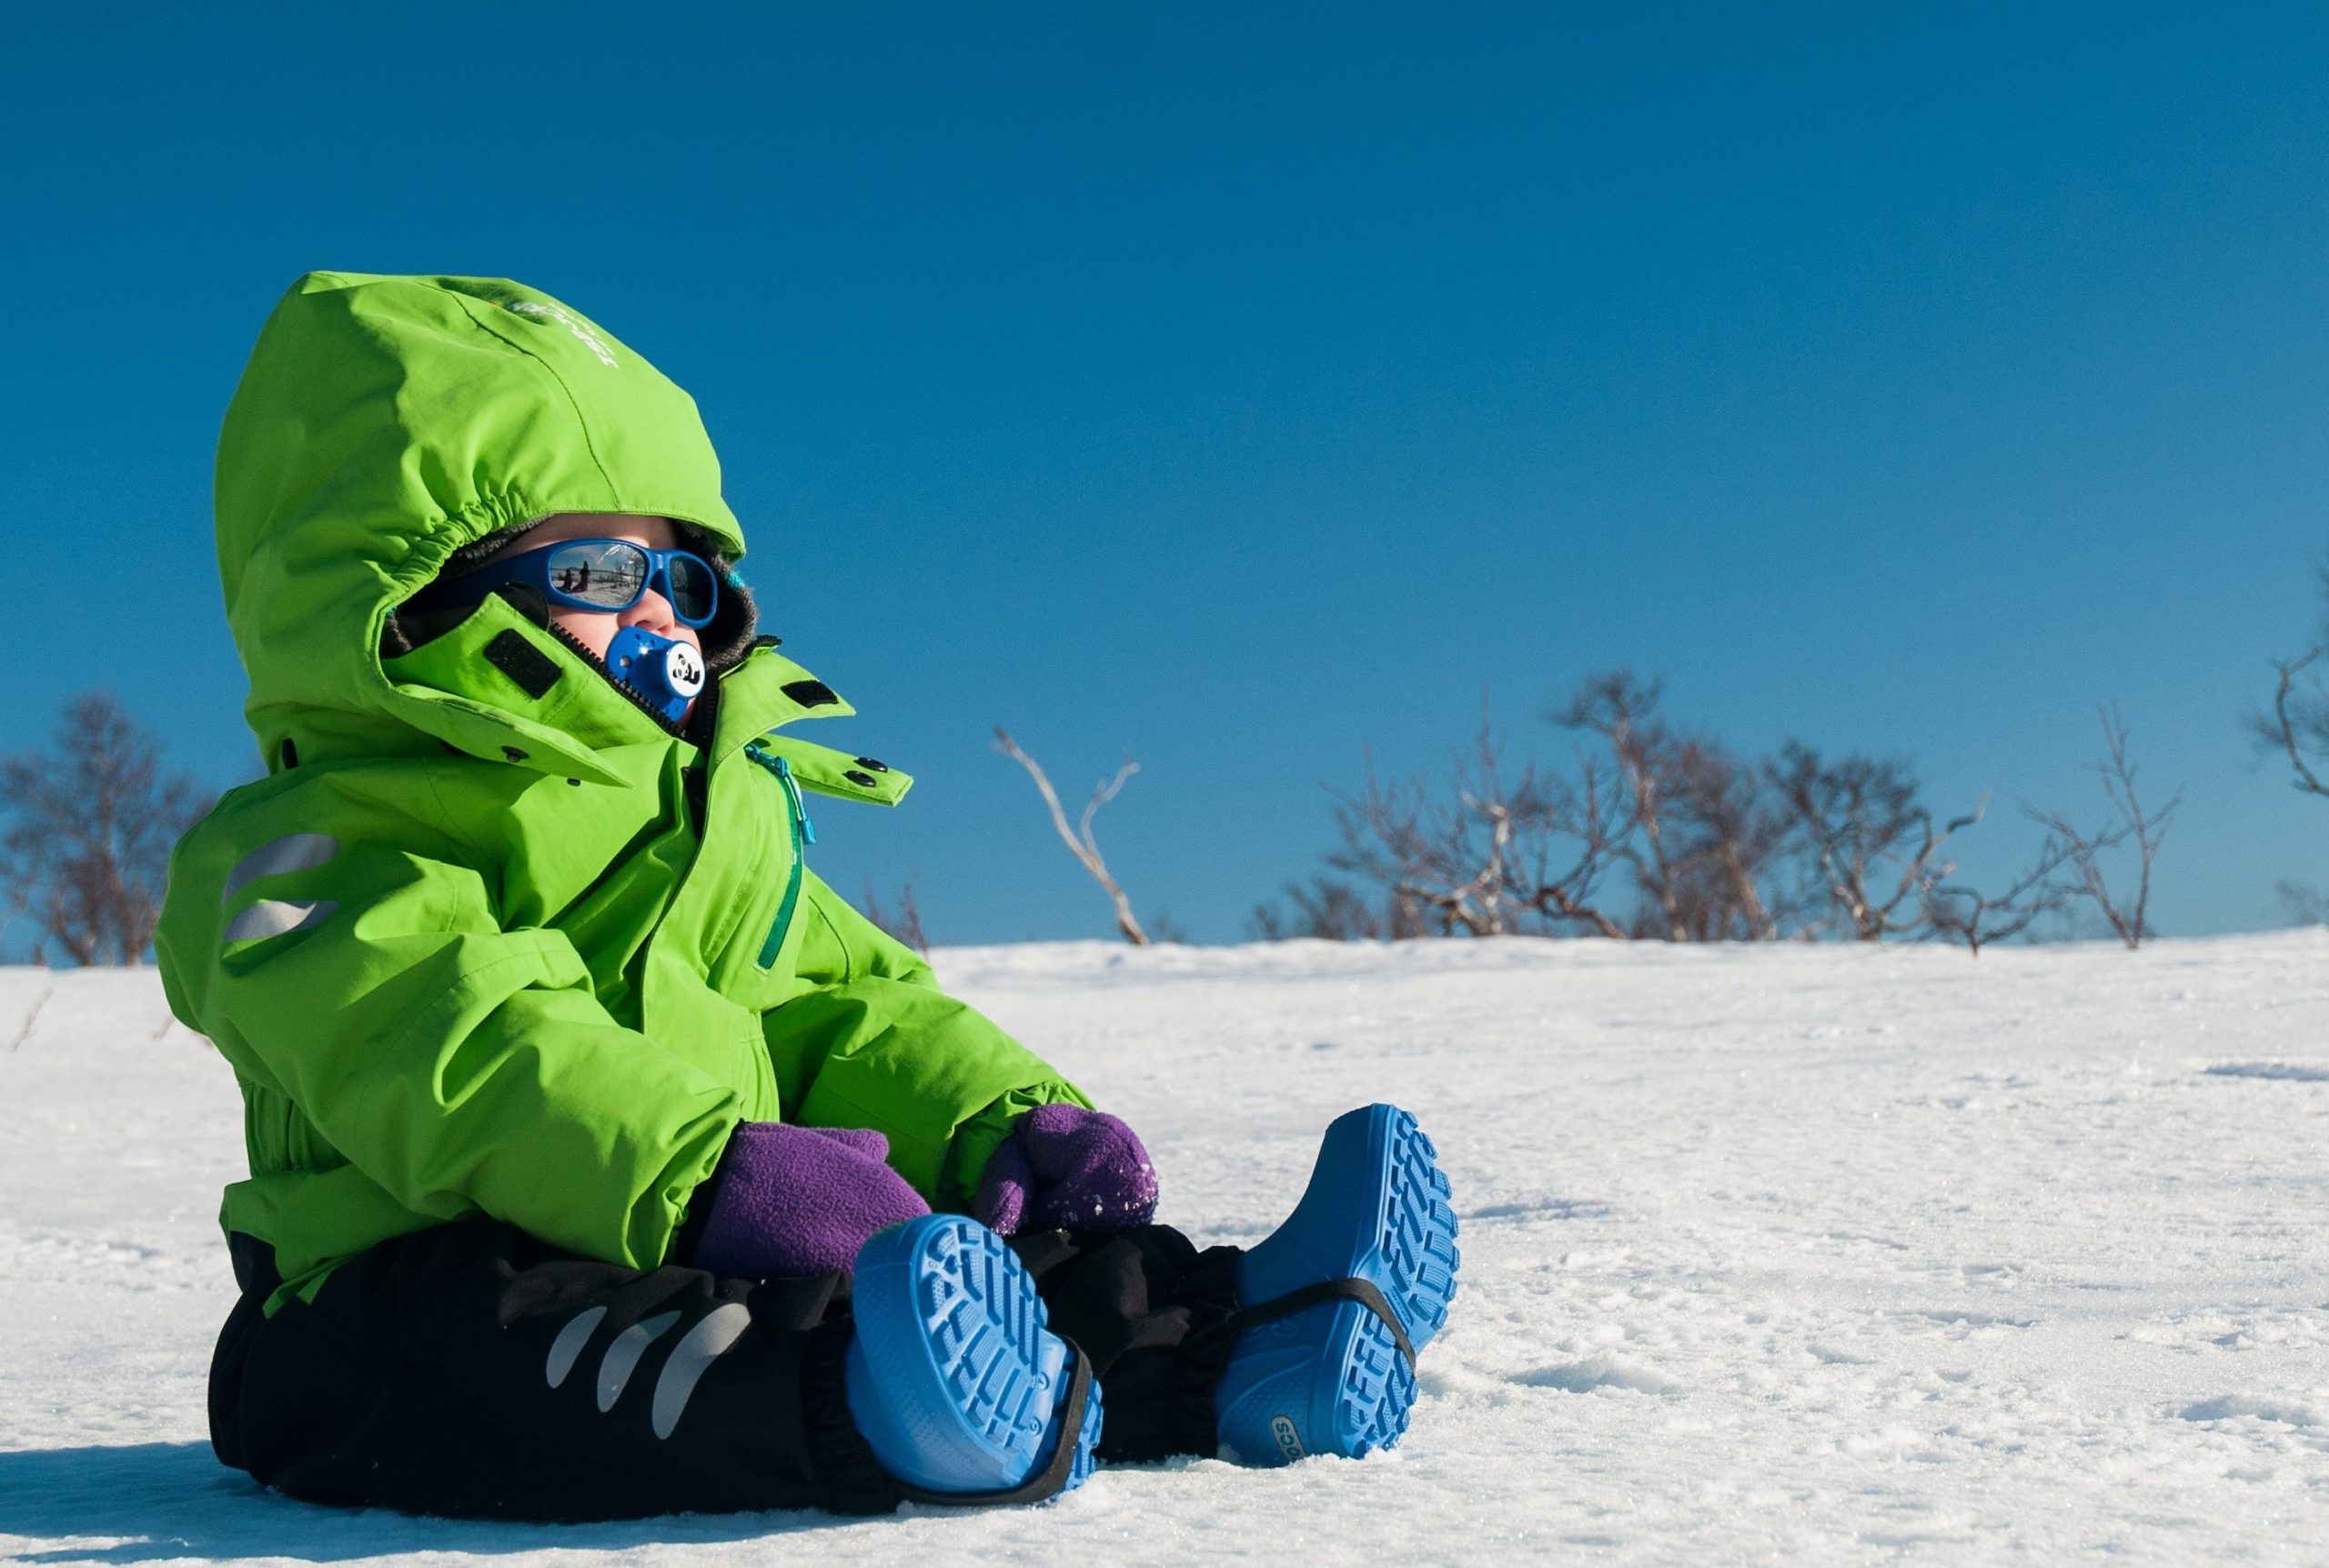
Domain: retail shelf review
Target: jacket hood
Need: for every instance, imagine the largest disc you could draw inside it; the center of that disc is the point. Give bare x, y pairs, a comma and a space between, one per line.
384, 423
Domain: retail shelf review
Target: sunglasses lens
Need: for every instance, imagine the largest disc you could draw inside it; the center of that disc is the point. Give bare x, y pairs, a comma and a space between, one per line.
694, 593
602, 574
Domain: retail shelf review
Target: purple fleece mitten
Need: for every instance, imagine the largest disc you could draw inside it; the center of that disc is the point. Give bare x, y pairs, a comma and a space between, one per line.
1063, 1168
789, 1201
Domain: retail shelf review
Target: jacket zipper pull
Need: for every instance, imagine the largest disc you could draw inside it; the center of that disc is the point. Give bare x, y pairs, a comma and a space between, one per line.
800, 811
804, 833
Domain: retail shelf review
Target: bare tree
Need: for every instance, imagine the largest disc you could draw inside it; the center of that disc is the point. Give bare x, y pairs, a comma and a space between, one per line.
1078, 839
1588, 815
1973, 920
91, 822
1734, 839
1695, 828
1870, 845
904, 922
1715, 847
1331, 910
1501, 855
2128, 916
1691, 817
1448, 860
1622, 710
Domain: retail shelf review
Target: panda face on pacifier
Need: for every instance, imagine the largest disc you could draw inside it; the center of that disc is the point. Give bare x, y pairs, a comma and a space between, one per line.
683, 669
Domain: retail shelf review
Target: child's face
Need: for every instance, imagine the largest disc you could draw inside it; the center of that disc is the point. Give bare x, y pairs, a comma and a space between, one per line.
595, 628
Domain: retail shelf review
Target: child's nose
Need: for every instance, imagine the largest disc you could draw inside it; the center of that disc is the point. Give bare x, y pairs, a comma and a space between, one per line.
654, 612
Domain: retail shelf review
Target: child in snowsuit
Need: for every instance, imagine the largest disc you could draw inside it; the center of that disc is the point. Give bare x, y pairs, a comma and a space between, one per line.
594, 1142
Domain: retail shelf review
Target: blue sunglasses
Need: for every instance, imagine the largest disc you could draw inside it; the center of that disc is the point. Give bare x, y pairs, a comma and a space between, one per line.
594, 575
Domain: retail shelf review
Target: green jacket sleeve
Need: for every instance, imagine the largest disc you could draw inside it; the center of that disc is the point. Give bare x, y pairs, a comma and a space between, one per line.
463, 1068
878, 1045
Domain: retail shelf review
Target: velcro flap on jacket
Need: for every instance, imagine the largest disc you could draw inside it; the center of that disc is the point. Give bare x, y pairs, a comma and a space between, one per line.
500, 688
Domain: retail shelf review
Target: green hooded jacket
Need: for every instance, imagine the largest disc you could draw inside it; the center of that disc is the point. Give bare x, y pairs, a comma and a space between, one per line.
491, 940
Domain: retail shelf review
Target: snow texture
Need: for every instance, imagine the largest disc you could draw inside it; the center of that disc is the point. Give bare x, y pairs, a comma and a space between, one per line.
1806, 1254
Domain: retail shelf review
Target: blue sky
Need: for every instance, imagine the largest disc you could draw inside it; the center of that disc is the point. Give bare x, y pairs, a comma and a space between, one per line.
1247, 385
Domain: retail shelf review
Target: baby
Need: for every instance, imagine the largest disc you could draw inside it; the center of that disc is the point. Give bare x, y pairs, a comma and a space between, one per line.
604, 1162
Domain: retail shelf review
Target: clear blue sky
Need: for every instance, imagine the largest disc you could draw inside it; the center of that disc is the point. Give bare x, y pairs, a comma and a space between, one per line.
1241, 385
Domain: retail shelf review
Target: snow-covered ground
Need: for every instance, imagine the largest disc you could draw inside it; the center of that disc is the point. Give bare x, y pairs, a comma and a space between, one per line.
1813, 1255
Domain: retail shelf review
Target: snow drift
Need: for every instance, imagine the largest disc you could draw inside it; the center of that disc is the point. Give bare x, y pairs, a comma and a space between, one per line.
1819, 1253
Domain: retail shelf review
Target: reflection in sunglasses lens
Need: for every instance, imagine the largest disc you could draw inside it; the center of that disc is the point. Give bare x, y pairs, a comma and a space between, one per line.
608, 576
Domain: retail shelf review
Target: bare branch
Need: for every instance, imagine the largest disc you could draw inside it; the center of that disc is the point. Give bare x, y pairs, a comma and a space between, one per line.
1078, 840
1101, 795
1700, 833
2130, 919
1869, 843
2298, 719
1974, 920
1480, 866
1326, 909
2300, 904
1693, 828
31, 1015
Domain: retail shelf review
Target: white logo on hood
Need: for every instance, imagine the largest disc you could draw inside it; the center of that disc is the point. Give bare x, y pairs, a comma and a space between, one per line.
574, 324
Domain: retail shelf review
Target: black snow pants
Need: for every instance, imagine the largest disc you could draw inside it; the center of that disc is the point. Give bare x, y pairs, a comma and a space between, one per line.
473, 1372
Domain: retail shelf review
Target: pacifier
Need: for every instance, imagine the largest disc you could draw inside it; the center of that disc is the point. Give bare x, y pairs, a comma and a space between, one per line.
669, 674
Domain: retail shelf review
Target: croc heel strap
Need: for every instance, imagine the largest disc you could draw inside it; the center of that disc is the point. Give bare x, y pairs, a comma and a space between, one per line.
1046, 1482
1363, 1291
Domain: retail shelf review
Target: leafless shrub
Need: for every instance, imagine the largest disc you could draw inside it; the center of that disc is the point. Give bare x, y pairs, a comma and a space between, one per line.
1690, 818
1334, 912
2301, 903
1693, 828
90, 825
1078, 839
2127, 915
2297, 727
1700, 833
1868, 846
904, 922
1665, 833
1734, 839
1955, 912
1505, 855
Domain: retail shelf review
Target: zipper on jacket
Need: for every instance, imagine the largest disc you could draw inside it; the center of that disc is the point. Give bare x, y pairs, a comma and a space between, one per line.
595, 662
695, 780
804, 833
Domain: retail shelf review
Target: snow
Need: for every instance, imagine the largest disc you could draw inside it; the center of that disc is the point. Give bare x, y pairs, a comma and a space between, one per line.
1813, 1254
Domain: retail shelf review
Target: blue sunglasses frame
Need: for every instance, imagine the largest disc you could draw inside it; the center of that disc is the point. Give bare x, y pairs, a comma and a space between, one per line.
532, 567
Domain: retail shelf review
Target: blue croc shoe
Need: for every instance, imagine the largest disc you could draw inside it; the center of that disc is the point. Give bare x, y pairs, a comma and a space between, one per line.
1338, 1299
963, 1395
